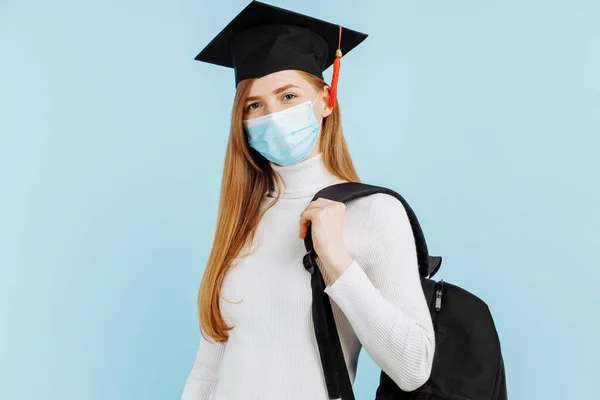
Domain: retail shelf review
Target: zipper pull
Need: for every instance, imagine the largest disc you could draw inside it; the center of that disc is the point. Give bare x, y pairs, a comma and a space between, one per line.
438, 298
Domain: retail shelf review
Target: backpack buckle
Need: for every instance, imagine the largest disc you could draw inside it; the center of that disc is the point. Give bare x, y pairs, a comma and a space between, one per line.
309, 265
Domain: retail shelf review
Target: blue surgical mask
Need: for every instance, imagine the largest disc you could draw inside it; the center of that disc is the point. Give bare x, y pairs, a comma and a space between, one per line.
285, 137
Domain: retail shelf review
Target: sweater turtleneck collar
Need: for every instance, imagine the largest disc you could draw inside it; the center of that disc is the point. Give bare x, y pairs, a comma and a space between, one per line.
304, 178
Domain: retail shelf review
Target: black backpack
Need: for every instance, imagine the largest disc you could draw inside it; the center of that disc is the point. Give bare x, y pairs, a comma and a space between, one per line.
462, 322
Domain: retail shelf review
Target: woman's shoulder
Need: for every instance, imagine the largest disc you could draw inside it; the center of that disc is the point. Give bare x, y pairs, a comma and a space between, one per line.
378, 207
382, 234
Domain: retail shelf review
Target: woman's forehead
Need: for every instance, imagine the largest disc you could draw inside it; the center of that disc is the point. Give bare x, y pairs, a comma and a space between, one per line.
265, 85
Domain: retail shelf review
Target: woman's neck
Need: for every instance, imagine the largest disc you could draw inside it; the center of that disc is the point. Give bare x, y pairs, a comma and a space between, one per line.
303, 179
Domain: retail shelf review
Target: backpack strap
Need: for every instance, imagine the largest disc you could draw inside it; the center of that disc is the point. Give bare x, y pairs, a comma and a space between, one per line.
330, 350
328, 340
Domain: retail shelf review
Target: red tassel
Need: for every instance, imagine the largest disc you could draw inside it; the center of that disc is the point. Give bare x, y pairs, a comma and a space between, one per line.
336, 72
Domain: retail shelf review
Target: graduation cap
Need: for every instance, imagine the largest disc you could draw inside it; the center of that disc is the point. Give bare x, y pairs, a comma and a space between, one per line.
263, 39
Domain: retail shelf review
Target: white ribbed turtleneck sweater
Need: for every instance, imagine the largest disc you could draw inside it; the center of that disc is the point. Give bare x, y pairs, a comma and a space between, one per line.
378, 302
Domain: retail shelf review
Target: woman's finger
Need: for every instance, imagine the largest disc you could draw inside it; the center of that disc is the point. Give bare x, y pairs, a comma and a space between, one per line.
312, 205
306, 218
321, 203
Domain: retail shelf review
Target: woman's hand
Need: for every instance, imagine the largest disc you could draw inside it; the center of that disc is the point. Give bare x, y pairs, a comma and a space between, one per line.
326, 218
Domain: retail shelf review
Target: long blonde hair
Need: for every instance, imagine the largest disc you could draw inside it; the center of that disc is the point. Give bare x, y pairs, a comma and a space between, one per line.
247, 176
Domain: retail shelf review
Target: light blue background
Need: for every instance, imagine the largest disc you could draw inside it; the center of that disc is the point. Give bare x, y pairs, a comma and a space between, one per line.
483, 114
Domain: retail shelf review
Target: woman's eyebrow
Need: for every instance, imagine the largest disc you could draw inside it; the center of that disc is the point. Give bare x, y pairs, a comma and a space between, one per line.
276, 91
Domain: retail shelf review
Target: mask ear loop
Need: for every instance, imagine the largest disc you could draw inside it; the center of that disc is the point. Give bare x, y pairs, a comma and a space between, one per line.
313, 103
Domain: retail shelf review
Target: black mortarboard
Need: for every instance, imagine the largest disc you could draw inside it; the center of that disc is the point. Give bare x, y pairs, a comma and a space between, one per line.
263, 39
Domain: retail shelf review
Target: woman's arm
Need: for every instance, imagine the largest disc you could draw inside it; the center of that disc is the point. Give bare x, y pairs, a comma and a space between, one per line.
202, 381
381, 295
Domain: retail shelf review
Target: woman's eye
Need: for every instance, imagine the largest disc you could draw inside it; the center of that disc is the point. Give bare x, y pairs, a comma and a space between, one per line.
250, 107
289, 98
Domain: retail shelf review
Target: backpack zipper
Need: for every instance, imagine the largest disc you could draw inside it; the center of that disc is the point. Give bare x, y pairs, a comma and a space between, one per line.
438, 299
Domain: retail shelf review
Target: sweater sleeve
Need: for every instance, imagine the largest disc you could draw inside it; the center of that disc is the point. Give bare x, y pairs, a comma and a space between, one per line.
202, 380
381, 295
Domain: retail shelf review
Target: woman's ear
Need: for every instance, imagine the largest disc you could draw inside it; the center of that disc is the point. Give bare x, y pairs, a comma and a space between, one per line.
326, 93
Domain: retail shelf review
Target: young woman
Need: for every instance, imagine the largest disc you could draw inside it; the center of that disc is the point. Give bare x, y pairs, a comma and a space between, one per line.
286, 143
